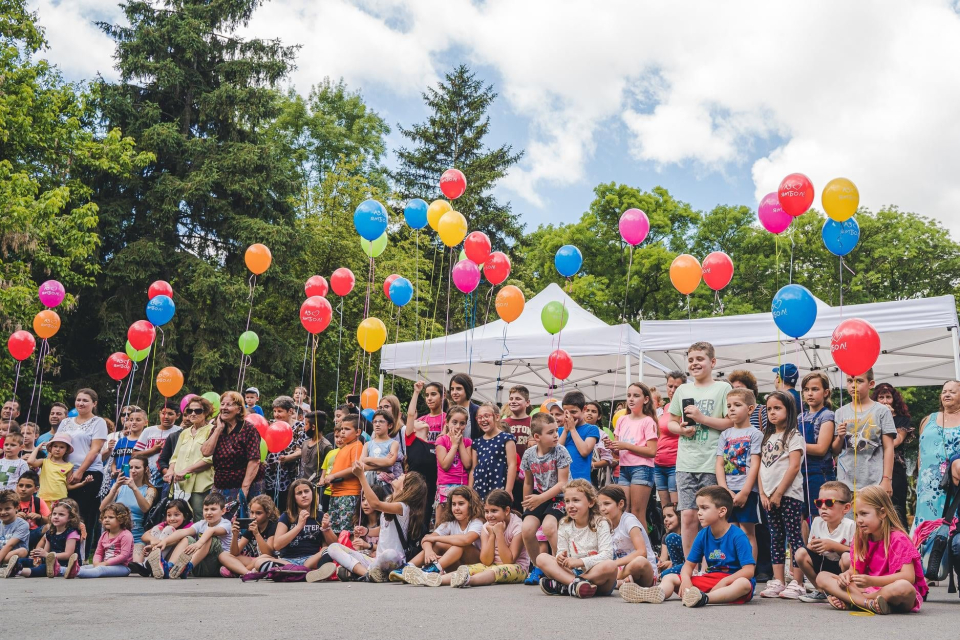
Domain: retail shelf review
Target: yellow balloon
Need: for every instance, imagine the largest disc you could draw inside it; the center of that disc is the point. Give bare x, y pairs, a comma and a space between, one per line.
452, 228
435, 211
617, 416
840, 199
371, 334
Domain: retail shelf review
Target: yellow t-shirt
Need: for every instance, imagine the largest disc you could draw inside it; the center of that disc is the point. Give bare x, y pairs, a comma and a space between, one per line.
53, 480
327, 466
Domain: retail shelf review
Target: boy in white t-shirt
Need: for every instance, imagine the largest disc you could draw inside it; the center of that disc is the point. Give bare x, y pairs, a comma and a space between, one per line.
198, 546
830, 536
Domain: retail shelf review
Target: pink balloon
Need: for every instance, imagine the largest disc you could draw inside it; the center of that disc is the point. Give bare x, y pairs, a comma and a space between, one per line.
466, 275
634, 226
772, 216
51, 293
186, 400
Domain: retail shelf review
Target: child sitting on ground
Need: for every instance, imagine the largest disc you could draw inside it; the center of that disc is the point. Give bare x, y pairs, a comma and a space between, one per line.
57, 552
197, 548
254, 542
671, 551
455, 541
830, 536
114, 549
177, 516
635, 557
503, 558
32, 509
14, 534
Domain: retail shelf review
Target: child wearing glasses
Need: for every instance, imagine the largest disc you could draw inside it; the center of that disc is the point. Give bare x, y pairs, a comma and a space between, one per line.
828, 548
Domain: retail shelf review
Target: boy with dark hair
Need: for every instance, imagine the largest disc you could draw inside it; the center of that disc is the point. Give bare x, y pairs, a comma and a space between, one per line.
864, 437
198, 546
14, 534
579, 438
31, 508
315, 447
518, 403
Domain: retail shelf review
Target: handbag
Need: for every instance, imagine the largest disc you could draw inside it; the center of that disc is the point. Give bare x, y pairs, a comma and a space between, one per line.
935, 555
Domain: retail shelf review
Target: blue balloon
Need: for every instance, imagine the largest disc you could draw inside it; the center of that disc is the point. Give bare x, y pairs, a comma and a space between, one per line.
370, 219
367, 414
401, 292
160, 310
840, 237
72, 413
568, 260
794, 310
416, 214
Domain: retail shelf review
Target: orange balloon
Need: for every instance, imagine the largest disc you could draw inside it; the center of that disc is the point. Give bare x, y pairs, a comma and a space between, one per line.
685, 273
543, 407
258, 258
510, 302
169, 381
370, 398
46, 324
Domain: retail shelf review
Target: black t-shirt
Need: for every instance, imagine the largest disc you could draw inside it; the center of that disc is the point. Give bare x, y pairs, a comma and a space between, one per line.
307, 542
252, 549
422, 458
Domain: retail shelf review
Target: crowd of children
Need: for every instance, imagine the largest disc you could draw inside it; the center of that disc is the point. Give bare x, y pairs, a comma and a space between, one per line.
468, 495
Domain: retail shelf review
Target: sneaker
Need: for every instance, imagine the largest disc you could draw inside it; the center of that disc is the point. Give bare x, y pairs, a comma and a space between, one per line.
534, 578
816, 596
345, 575
632, 592
421, 577
773, 589
460, 578
51, 563
155, 562
180, 567
226, 573
73, 567
694, 598
433, 568
553, 588
322, 573
11, 569
581, 588
140, 569
793, 591
378, 575
397, 575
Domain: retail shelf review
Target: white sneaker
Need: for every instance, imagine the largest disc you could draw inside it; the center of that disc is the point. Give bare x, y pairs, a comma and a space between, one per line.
793, 591
773, 589
460, 578
632, 592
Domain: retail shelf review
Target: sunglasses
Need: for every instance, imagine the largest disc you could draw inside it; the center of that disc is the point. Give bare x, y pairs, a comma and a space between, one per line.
193, 412
827, 502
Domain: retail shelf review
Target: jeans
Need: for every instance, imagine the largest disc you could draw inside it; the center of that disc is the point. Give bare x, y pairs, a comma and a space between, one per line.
112, 571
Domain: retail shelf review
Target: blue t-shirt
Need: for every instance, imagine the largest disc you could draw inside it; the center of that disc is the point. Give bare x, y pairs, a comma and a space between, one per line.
727, 555
809, 426
796, 399
18, 529
581, 466
256, 409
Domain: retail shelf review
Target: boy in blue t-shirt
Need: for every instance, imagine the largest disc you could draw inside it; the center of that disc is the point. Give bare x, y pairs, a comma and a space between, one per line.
730, 563
580, 439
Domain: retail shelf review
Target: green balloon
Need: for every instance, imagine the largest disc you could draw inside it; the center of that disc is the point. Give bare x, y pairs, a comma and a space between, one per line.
554, 317
136, 356
249, 341
375, 248
263, 450
463, 256
213, 398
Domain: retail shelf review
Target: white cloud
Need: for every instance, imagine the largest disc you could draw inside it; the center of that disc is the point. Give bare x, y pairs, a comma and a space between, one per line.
77, 45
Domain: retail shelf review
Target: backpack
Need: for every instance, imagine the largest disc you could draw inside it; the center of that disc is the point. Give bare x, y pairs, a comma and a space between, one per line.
410, 549
284, 573
935, 553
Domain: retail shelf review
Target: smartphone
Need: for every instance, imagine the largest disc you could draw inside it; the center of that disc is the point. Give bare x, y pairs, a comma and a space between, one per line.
125, 470
244, 522
687, 402
354, 399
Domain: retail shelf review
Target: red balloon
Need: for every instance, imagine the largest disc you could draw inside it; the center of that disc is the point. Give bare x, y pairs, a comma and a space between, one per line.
795, 194
279, 435
141, 335
717, 270
258, 422
315, 286
159, 288
855, 346
315, 314
342, 281
119, 366
21, 344
387, 283
453, 183
477, 247
497, 267
560, 364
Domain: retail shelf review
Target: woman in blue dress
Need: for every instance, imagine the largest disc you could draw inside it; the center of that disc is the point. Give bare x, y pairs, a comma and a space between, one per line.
939, 442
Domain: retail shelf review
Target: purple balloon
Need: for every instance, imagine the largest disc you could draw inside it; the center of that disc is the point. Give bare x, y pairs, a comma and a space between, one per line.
773, 218
186, 400
466, 275
634, 226
51, 293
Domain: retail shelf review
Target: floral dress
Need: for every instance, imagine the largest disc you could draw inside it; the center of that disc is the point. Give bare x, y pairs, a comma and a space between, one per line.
937, 446
287, 472
491, 471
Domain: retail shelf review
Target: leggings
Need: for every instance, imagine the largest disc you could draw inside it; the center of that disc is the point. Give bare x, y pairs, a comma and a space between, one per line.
675, 549
502, 573
348, 558
784, 523
110, 571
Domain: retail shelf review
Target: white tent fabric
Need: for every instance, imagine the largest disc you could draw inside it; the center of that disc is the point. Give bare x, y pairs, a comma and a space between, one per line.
918, 341
603, 355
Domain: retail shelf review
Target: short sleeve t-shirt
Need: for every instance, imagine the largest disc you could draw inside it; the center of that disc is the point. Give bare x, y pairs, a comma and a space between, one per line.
666, 443
697, 454
452, 528
843, 534
809, 425
456, 474
252, 548
123, 450
34, 505
10, 472
635, 431
328, 467
878, 562
775, 461
544, 468
726, 554
53, 480
225, 539
623, 544
435, 424
82, 437
18, 529
865, 438
511, 531
736, 446
389, 538
305, 543
153, 436
581, 466
520, 428
345, 459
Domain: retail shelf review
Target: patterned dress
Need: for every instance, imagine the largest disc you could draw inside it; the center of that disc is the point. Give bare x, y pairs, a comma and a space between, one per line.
288, 472
491, 471
937, 446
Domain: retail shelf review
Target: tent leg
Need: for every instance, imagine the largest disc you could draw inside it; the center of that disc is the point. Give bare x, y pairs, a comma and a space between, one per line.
956, 353
640, 368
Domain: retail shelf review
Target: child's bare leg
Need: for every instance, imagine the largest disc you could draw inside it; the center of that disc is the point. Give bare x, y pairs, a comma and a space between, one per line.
732, 592
181, 546
689, 526
641, 570
528, 530
552, 569
845, 561
201, 553
639, 496
805, 564
449, 555
550, 530
483, 579
233, 563
900, 595
670, 585
603, 575
829, 584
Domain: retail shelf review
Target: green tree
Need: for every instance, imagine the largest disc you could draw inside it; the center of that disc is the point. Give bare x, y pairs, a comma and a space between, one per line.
453, 137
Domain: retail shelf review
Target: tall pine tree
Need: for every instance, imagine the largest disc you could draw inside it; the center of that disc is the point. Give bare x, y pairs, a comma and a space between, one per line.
453, 136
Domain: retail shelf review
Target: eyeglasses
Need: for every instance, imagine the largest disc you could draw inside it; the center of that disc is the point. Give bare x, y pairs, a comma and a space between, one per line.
827, 502
192, 412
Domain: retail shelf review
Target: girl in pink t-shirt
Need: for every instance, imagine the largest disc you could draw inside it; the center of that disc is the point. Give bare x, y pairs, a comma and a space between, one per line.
886, 576
636, 441
453, 456
428, 427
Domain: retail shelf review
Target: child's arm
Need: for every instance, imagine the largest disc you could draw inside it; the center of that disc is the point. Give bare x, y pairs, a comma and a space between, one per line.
686, 573
839, 438
511, 448
527, 486
887, 482
473, 466
209, 533
753, 473
7, 548
175, 537
647, 450
68, 550
824, 440
720, 469
343, 473
466, 453
488, 544
584, 447
385, 462
796, 457
445, 458
32, 461
412, 407
906, 573
111, 496
396, 508
535, 500
287, 534
640, 547
462, 540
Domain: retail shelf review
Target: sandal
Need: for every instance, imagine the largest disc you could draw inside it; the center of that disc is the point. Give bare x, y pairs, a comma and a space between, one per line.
837, 603
878, 605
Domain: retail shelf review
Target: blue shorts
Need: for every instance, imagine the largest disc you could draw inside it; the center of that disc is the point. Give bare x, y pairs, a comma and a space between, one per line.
666, 478
748, 513
638, 475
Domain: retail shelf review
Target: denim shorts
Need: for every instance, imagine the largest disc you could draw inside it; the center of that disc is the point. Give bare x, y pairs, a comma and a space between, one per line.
638, 475
666, 478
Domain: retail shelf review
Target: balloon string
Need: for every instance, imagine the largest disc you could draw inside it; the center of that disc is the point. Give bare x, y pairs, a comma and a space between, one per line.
503, 355
436, 304
841, 287
153, 369
16, 382
44, 350
446, 328
396, 340
336, 399
793, 232
626, 290
358, 369
416, 312
303, 368
252, 283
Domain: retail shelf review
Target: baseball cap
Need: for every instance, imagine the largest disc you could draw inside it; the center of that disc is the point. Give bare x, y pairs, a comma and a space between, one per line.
252, 390
787, 372
554, 403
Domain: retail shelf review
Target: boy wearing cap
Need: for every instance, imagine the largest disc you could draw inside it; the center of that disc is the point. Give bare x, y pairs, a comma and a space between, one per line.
251, 397
787, 376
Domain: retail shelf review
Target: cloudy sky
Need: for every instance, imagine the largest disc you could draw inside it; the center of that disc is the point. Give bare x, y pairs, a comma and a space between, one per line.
715, 101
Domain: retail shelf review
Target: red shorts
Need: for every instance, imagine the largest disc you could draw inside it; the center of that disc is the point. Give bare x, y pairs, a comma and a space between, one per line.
708, 581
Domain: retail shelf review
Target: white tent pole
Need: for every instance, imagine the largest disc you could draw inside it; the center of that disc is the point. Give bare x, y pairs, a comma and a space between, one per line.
640, 368
956, 353
381, 385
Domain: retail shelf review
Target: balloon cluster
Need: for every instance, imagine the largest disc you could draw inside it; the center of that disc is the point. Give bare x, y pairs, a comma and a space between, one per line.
46, 323
686, 272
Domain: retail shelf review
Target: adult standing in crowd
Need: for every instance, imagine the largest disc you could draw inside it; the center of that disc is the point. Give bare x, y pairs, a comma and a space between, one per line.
459, 395
743, 379
189, 466
87, 432
58, 411
939, 442
885, 393
284, 466
234, 447
152, 438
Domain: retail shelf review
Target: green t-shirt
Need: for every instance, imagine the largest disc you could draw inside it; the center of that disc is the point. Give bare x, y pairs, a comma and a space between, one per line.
698, 454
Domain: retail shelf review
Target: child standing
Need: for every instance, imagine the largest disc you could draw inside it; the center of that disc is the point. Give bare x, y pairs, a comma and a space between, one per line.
738, 463
346, 489
455, 541
114, 549
636, 442
781, 491
830, 536
665, 462
58, 547
327, 468
54, 469
816, 426
454, 456
864, 441
887, 576
634, 555
381, 454
494, 464
14, 534
583, 565
435, 418
579, 438
517, 421
503, 558
11, 466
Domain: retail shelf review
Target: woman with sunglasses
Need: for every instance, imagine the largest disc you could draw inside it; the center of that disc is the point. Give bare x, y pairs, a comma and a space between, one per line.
188, 466
234, 447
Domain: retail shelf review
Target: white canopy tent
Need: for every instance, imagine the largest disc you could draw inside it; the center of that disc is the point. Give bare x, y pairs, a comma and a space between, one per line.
498, 356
